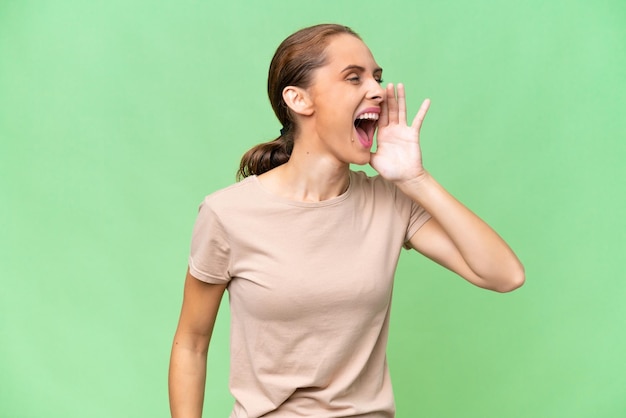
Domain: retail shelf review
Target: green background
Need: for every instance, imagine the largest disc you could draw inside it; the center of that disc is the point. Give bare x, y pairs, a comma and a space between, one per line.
117, 117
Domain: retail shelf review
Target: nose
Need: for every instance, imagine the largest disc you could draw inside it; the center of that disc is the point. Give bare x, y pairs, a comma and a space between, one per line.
376, 91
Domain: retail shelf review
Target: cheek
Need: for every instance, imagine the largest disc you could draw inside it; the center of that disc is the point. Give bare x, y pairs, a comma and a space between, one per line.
333, 118
335, 113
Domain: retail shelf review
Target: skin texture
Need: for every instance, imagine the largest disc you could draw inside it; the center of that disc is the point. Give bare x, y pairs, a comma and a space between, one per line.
187, 373
318, 169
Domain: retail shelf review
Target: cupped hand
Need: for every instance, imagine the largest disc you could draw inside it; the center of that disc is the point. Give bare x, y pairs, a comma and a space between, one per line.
398, 156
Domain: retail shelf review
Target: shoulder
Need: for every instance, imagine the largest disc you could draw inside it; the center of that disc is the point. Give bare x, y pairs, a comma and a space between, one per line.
372, 184
231, 196
381, 191
222, 209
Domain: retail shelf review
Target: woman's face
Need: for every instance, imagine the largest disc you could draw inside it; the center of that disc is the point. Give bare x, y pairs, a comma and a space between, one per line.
346, 96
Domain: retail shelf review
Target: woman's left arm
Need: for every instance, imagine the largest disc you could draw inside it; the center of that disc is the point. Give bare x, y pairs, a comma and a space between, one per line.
454, 237
459, 240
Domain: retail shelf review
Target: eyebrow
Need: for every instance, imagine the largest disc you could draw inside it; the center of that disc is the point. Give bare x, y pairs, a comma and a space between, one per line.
360, 69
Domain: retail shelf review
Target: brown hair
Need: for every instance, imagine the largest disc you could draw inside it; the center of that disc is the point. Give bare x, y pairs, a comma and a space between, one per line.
292, 65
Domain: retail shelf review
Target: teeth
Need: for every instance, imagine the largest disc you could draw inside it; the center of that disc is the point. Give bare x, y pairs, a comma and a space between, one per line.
372, 116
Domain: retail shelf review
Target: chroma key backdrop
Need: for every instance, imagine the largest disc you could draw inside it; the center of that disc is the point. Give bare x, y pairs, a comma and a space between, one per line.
118, 117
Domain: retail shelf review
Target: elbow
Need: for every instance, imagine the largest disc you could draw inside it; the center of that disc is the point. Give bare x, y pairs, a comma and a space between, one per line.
512, 281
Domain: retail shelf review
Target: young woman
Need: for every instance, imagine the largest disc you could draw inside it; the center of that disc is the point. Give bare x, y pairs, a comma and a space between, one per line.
308, 248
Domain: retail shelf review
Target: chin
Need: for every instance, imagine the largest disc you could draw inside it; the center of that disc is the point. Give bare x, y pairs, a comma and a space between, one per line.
362, 159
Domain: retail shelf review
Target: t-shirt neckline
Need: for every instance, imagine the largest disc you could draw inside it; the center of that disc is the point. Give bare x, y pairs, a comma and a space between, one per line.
328, 202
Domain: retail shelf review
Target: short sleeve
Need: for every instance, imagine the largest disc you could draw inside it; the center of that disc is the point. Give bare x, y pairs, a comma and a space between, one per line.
418, 218
209, 259
411, 210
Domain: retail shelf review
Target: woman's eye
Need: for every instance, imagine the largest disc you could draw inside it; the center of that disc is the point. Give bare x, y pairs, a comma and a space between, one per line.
379, 80
355, 79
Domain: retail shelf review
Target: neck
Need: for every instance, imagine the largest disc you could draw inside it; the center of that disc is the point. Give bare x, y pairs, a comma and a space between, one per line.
308, 177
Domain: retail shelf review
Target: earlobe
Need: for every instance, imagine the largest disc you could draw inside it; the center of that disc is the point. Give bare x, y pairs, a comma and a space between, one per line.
298, 100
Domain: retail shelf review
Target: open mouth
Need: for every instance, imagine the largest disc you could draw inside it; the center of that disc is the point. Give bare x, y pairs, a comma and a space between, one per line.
365, 125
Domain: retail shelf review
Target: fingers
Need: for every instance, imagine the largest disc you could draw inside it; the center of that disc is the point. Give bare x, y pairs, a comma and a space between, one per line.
421, 114
393, 108
392, 103
401, 100
383, 119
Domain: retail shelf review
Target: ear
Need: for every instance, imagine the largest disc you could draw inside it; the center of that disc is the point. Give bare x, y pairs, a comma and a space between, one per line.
298, 100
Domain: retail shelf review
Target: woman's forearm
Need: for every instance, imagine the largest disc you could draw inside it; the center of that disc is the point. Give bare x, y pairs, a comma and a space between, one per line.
482, 249
187, 374
187, 378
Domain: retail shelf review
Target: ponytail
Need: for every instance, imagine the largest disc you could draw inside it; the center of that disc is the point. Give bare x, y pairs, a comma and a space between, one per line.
265, 156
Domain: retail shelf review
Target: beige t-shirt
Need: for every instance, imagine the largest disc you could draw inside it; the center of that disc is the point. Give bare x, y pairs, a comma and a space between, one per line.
310, 289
